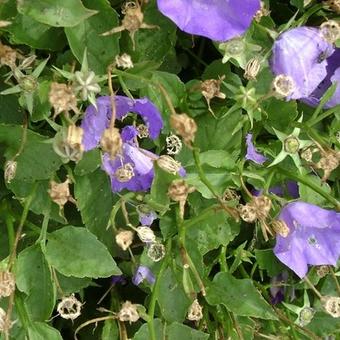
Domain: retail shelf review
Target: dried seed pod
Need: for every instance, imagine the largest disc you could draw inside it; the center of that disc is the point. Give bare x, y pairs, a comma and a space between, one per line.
128, 312
143, 131
331, 304
184, 127
322, 271
60, 193
69, 307
173, 144
328, 162
280, 227
124, 61
178, 191
168, 164
283, 85
263, 205
10, 170
330, 31
195, 312
334, 5
252, 68
111, 142
146, 234
62, 98
248, 212
5, 324
156, 252
124, 239
210, 89
124, 173
7, 283
8, 56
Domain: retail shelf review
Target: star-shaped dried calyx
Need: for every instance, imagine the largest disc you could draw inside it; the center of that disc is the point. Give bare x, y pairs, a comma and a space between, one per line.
210, 89
60, 193
133, 20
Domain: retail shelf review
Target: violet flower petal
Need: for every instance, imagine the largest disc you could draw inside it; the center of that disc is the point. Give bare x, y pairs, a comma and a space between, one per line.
252, 154
290, 187
146, 218
218, 20
128, 133
314, 237
143, 273
296, 53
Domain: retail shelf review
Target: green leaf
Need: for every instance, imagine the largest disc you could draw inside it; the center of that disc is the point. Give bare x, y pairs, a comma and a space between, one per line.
101, 50
143, 332
76, 252
89, 163
218, 159
309, 195
110, 330
229, 291
33, 277
178, 331
42, 331
210, 233
31, 166
268, 261
173, 302
58, 13
42, 106
72, 284
95, 201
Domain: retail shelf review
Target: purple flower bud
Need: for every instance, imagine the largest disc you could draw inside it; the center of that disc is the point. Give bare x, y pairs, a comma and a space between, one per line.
314, 237
143, 273
277, 289
117, 279
146, 216
252, 154
218, 20
290, 187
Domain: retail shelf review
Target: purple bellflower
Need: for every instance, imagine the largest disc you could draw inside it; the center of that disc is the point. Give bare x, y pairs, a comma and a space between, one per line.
146, 216
143, 273
289, 188
277, 290
138, 160
218, 20
314, 237
252, 154
307, 58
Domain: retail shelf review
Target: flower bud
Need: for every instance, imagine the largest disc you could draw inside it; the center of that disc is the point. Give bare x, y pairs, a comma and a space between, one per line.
62, 98
331, 304
28, 84
7, 283
280, 227
168, 164
184, 127
10, 170
124, 173
252, 68
111, 142
124, 61
306, 316
5, 324
173, 144
146, 234
291, 144
283, 85
195, 312
69, 307
128, 312
156, 252
330, 31
124, 239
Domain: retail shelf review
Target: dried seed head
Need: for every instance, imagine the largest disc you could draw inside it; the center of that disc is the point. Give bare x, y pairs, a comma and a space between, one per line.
330, 31
322, 271
69, 307
124, 61
124, 239
75, 136
184, 127
334, 5
7, 283
128, 312
195, 312
62, 98
263, 205
178, 190
173, 144
60, 193
248, 212
328, 162
211, 88
262, 12
283, 85
156, 252
307, 154
124, 173
111, 142
143, 131
146, 234
306, 316
230, 195
281, 228
331, 304
168, 164
10, 170
8, 56
5, 324
291, 144
252, 68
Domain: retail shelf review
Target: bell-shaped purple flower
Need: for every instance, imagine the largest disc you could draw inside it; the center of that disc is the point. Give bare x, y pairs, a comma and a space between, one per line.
96, 120
302, 54
143, 273
252, 154
314, 237
218, 20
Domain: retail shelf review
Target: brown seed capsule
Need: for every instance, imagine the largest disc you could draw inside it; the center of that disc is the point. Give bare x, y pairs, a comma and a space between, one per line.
210, 89
168, 164
331, 304
8, 56
60, 193
128, 312
184, 127
10, 170
7, 283
62, 98
248, 212
252, 68
5, 323
281, 228
283, 85
124, 239
334, 5
330, 31
124, 61
69, 307
322, 271
111, 142
146, 234
195, 312
263, 205
328, 162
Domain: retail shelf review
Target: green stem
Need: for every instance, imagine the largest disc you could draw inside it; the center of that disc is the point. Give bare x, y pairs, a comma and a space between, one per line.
44, 226
10, 231
317, 119
155, 292
312, 185
22, 312
124, 87
223, 259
